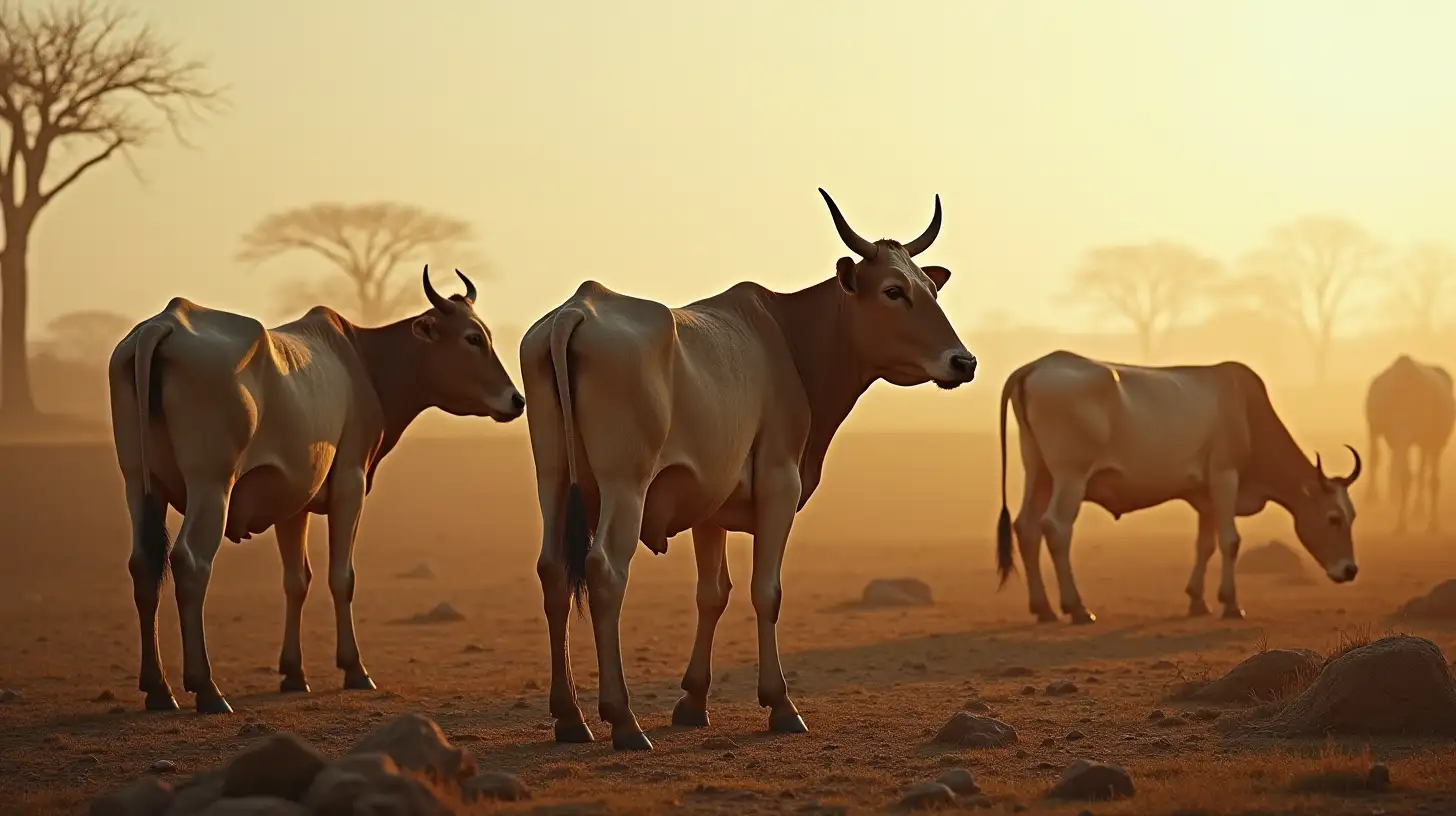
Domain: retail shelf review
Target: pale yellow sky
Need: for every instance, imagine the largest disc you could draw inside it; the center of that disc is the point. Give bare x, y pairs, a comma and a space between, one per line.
670, 148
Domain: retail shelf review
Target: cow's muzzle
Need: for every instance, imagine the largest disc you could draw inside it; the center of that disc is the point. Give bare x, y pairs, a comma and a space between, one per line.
1343, 573
517, 407
961, 366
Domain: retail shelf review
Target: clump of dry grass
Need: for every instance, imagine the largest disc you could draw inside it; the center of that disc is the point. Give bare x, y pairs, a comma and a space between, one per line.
1346, 641
1187, 680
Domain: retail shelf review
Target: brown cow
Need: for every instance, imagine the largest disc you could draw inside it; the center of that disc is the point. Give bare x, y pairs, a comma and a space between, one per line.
242, 428
1411, 405
715, 416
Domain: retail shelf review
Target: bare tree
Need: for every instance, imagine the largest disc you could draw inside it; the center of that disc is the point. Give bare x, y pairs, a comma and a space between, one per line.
71, 80
367, 243
1151, 286
1304, 273
87, 336
1423, 289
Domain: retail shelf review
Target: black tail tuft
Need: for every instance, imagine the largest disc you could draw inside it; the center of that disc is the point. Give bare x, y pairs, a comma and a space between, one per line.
1004, 564
155, 541
576, 541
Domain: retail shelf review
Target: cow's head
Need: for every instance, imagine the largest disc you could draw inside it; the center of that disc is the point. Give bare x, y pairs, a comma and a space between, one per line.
461, 369
1323, 515
896, 322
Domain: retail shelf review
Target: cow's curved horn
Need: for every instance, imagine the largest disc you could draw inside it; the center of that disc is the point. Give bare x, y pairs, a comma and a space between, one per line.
1355, 471
435, 299
469, 288
1319, 466
926, 238
856, 244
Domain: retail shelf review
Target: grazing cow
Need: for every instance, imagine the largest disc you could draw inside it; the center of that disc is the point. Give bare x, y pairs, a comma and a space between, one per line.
1131, 437
1411, 405
715, 416
242, 428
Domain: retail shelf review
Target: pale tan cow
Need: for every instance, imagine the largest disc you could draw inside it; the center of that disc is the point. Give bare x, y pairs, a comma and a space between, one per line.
242, 428
1411, 405
716, 416
1132, 437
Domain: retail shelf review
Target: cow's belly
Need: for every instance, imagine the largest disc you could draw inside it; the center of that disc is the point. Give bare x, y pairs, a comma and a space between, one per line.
278, 487
1120, 490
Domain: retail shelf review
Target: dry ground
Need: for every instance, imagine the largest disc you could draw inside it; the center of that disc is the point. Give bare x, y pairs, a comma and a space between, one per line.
873, 685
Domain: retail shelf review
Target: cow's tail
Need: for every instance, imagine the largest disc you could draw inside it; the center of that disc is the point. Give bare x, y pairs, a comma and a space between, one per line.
576, 535
153, 539
1005, 563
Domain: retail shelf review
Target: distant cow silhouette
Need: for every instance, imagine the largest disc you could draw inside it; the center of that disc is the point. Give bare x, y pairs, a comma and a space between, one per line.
1411, 405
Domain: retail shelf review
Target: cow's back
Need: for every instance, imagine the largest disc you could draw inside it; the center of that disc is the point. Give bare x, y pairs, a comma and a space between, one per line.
1411, 403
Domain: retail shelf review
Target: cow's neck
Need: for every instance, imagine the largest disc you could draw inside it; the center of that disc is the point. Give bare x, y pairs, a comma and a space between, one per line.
391, 356
814, 324
1276, 462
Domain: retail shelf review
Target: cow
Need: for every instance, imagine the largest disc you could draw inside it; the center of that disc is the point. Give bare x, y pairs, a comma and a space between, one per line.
1410, 405
241, 428
1128, 438
711, 417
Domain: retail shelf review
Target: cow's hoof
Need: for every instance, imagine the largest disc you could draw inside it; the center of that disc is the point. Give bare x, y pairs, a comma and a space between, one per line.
1082, 617
631, 741
787, 723
1233, 613
687, 714
574, 733
161, 701
358, 682
1198, 608
208, 704
292, 684
1046, 616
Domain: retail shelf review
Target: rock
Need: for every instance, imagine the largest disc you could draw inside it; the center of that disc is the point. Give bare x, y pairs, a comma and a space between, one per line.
196, 795
896, 592
334, 792
418, 571
148, 796
163, 766
1379, 777
442, 613
254, 729
960, 781
1271, 558
1438, 604
280, 765
1155, 714
494, 785
255, 806
927, 795
1057, 687
719, 744
1028, 690
1396, 686
1016, 671
416, 743
974, 731
976, 706
1265, 676
1172, 722
1075, 735
1088, 780
105, 696
9, 695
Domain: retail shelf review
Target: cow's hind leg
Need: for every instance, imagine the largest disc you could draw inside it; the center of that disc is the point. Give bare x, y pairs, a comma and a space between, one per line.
1432, 462
1068, 491
148, 563
619, 527
200, 537
292, 535
1203, 551
713, 588
1224, 491
1035, 497
556, 598
1400, 467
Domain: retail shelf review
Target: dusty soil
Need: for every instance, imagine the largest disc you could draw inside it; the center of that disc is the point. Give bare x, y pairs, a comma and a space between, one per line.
874, 684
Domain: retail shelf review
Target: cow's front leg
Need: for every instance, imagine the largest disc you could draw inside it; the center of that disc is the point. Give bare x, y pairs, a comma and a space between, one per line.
1203, 551
346, 505
1068, 491
1224, 492
607, 564
713, 589
776, 491
201, 535
292, 535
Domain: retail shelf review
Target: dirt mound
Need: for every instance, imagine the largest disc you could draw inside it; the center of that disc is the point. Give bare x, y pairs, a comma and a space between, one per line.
1438, 604
1395, 686
896, 592
405, 767
1265, 676
1271, 558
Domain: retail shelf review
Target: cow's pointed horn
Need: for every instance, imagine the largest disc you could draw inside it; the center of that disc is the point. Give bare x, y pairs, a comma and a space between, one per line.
926, 238
856, 244
1319, 466
435, 299
469, 288
1355, 471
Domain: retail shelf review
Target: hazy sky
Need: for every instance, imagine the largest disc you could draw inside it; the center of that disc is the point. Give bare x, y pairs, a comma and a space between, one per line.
670, 148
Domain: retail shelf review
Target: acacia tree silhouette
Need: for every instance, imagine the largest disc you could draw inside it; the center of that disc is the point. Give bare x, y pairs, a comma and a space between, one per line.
1149, 285
70, 80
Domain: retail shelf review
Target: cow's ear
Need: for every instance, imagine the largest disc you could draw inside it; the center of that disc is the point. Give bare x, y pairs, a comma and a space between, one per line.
938, 275
844, 270
426, 328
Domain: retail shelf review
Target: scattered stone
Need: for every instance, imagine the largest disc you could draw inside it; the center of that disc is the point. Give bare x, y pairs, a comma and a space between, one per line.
961, 781
1088, 780
494, 785
719, 744
1273, 557
1156, 714
975, 731
1438, 604
1207, 714
9, 695
148, 795
473, 648
1172, 722
280, 765
255, 729
1028, 690
163, 766
1058, 687
927, 795
1379, 778
896, 592
1398, 685
105, 696
416, 743
1265, 676
1017, 671
1075, 735
196, 794
442, 613
417, 572
976, 706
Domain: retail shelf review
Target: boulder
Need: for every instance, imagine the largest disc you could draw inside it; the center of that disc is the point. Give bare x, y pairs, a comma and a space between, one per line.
974, 731
896, 592
148, 796
1086, 780
416, 743
279, 765
1438, 604
1265, 676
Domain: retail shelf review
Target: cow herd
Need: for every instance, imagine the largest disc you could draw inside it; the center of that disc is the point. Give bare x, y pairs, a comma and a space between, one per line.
647, 421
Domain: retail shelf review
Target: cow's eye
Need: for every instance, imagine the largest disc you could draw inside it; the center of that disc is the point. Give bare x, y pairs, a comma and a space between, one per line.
895, 293
475, 340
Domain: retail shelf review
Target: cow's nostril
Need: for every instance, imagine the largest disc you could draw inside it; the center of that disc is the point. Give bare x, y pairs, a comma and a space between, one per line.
518, 403
1351, 571
964, 365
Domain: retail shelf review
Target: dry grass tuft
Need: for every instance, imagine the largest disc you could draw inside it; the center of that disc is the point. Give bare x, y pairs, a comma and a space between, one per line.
1187, 680
1361, 634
